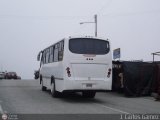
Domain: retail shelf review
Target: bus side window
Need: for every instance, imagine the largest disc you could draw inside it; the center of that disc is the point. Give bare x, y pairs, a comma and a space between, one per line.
60, 51
47, 55
44, 57
56, 53
51, 54
41, 62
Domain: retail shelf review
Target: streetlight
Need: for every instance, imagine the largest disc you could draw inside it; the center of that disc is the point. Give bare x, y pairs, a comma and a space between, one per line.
95, 21
156, 53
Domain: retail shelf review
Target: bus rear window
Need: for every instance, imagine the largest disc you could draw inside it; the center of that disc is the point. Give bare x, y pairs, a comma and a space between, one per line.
88, 46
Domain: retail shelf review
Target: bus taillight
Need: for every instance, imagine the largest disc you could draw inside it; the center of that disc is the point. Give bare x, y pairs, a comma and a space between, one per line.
109, 72
68, 72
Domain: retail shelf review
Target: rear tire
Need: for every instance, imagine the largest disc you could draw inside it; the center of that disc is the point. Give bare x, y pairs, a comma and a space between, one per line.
43, 87
54, 93
88, 94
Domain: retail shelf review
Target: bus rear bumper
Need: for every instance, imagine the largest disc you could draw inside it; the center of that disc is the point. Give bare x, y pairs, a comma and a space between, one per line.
79, 86
76, 90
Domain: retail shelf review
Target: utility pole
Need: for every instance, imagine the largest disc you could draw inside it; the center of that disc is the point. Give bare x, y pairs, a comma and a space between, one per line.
95, 22
95, 17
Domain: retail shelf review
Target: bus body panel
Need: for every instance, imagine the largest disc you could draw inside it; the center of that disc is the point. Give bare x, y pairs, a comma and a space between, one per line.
88, 72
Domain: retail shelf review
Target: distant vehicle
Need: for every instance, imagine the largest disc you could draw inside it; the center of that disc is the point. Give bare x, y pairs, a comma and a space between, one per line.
2, 75
36, 74
11, 75
77, 64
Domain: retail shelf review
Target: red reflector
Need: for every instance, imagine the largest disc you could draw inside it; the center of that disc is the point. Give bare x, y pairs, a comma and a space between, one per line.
109, 72
67, 68
68, 71
109, 69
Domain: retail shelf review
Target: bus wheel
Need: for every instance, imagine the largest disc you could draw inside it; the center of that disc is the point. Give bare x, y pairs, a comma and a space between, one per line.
88, 94
54, 93
43, 87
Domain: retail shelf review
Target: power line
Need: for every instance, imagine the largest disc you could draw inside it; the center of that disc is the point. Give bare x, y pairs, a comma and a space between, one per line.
105, 6
41, 17
132, 13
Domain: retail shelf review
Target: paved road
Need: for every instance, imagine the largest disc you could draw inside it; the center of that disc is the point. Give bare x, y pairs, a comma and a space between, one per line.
26, 97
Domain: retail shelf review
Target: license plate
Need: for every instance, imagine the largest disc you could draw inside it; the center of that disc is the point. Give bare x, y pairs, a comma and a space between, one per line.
89, 85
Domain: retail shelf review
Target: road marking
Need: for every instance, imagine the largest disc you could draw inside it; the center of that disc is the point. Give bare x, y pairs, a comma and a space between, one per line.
114, 109
1, 110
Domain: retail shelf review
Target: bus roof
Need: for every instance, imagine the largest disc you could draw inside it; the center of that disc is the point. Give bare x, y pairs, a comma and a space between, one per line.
87, 37
76, 37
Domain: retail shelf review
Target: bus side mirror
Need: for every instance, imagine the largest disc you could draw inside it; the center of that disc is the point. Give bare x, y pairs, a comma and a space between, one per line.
38, 57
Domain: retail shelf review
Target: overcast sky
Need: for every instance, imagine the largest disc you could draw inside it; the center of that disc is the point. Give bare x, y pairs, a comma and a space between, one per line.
28, 26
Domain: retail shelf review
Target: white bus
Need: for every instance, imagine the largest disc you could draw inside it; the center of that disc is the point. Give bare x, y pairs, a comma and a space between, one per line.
76, 64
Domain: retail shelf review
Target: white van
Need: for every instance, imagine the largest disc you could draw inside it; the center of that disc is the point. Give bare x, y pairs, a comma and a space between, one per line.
78, 64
